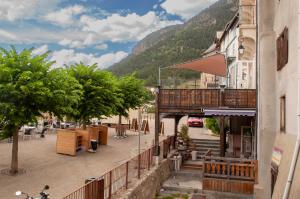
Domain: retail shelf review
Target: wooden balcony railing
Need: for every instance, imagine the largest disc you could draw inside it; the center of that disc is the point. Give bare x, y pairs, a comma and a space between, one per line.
207, 98
230, 169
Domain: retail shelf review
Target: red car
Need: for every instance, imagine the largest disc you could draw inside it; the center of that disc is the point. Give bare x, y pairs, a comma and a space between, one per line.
195, 122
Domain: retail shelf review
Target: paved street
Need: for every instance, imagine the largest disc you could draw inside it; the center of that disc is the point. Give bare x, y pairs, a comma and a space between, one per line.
65, 173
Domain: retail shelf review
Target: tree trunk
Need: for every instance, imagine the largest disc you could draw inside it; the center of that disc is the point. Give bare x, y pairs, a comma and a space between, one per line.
84, 126
119, 128
15, 146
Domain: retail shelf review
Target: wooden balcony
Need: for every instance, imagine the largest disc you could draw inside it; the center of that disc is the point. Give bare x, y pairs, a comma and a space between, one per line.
230, 174
193, 100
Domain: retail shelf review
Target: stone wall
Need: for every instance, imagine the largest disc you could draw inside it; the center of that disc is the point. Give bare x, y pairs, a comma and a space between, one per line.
151, 183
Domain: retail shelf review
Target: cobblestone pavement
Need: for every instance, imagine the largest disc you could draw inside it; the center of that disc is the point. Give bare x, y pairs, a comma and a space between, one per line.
65, 173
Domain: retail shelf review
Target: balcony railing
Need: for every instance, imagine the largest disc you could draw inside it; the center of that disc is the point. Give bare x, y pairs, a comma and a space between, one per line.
193, 99
230, 168
230, 174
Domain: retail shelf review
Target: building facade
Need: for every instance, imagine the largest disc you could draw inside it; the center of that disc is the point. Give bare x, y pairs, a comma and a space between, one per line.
278, 101
241, 68
241, 31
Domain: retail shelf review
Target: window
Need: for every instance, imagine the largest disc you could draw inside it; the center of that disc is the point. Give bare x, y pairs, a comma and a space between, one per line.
274, 174
282, 114
282, 45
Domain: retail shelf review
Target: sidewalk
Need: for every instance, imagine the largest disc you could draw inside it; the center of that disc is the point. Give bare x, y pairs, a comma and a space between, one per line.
65, 173
61, 172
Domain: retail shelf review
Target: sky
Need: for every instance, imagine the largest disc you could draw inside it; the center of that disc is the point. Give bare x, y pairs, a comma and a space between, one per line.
89, 31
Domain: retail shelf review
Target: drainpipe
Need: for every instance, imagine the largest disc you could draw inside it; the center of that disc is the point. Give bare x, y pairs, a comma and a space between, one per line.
297, 146
257, 82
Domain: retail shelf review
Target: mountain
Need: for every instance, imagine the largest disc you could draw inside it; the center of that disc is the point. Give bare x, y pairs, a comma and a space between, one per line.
176, 44
154, 38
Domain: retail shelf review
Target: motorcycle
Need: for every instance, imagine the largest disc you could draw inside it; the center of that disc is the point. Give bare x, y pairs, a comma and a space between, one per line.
43, 194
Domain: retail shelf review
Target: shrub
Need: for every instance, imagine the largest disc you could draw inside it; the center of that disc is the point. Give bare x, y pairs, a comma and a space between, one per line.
184, 133
212, 124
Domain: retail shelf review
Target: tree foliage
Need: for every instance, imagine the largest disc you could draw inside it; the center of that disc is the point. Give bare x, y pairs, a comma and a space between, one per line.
100, 92
133, 93
29, 88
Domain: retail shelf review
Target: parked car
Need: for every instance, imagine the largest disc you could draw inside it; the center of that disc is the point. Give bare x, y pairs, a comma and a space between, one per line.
195, 122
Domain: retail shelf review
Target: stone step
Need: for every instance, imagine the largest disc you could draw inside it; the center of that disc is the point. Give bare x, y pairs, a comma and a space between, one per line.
184, 184
204, 152
189, 172
207, 144
205, 141
181, 189
191, 167
206, 149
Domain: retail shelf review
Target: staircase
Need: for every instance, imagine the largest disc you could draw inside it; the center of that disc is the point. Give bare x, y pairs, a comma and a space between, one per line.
192, 165
183, 181
203, 145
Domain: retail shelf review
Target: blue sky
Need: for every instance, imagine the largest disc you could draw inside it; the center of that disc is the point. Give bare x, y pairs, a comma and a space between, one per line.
90, 31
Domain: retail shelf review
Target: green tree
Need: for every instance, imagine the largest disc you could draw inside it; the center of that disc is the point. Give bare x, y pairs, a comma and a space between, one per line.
28, 88
134, 94
100, 93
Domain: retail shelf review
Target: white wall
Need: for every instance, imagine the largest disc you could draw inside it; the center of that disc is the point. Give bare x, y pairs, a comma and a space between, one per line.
286, 79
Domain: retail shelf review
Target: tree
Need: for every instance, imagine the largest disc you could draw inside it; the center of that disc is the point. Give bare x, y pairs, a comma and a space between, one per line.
133, 93
28, 88
100, 93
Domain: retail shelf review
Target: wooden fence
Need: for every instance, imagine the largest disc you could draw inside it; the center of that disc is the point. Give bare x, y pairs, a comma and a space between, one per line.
115, 181
230, 174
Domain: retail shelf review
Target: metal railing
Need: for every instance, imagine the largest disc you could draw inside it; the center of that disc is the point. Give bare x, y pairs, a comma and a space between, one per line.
114, 182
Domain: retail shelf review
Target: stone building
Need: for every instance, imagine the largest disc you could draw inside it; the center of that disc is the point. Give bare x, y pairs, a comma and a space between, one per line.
278, 99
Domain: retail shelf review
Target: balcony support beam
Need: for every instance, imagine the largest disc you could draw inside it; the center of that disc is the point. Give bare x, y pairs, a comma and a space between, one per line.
222, 136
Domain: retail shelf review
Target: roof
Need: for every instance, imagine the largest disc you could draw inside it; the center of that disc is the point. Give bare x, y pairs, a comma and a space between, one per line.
229, 25
214, 64
210, 51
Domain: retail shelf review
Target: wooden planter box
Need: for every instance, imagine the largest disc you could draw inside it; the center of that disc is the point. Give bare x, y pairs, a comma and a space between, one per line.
99, 133
70, 141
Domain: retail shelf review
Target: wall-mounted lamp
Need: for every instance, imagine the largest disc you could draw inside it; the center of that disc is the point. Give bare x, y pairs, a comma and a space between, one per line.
241, 49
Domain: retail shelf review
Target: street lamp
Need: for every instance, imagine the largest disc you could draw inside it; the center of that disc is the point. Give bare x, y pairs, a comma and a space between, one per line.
241, 49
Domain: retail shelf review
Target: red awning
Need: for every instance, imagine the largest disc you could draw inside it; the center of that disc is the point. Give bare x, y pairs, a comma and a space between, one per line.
215, 65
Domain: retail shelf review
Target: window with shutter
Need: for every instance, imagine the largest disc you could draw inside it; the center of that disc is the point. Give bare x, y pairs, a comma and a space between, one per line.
282, 45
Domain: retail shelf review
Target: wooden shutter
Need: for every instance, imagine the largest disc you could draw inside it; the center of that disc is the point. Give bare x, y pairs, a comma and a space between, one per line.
285, 46
282, 45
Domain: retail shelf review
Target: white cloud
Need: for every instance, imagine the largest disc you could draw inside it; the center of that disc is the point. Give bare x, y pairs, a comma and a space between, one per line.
12, 10
186, 8
65, 16
131, 27
71, 44
7, 36
90, 39
87, 31
37, 35
40, 50
101, 46
67, 57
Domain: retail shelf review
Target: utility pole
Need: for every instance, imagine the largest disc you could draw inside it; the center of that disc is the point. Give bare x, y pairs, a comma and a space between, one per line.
157, 125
